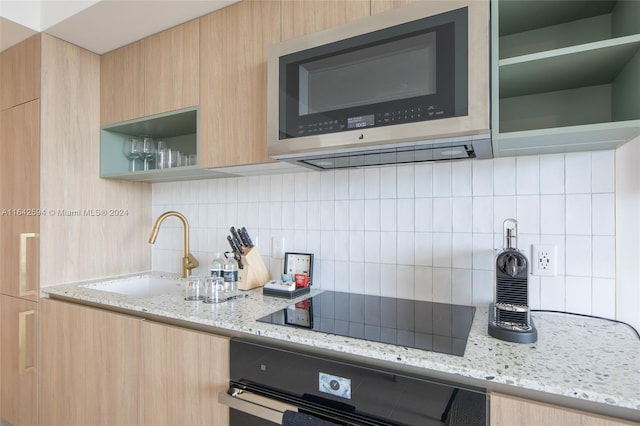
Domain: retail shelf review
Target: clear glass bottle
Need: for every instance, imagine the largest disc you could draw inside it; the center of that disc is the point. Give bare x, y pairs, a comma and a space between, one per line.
230, 275
217, 266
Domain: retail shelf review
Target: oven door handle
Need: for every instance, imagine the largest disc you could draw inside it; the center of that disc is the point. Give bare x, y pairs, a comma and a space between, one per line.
256, 405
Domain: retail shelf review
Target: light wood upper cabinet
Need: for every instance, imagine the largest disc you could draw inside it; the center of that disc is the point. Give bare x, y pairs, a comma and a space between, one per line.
70, 150
308, 16
509, 410
122, 84
233, 82
182, 373
18, 361
378, 6
90, 366
154, 75
20, 200
171, 69
20, 73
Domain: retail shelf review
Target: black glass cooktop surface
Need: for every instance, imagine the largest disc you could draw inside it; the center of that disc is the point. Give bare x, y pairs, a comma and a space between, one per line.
431, 326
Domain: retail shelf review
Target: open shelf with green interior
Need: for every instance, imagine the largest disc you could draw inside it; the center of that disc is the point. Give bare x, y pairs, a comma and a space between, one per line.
565, 75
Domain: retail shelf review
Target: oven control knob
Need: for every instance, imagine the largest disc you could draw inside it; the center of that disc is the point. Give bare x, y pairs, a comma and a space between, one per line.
334, 385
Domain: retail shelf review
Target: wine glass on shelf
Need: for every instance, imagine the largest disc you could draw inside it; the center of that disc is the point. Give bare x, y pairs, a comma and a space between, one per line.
147, 150
131, 151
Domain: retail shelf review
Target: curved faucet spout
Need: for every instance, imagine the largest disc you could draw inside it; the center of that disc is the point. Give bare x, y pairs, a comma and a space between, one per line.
188, 260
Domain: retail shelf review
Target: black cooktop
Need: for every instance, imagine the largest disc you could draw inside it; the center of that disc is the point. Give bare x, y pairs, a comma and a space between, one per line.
438, 327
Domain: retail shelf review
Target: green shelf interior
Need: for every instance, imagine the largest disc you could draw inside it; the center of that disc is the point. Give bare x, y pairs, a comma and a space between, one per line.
566, 63
179, 129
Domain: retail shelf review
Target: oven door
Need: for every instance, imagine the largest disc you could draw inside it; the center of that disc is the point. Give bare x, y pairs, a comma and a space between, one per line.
271, 385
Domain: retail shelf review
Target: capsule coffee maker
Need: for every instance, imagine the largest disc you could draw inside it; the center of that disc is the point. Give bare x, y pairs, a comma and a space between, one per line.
510, 315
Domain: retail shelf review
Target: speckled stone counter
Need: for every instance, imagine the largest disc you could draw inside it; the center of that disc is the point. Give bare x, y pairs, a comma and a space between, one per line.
578, 358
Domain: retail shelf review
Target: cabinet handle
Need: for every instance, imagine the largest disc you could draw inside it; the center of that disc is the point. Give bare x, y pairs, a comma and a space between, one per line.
22, 341
23, 263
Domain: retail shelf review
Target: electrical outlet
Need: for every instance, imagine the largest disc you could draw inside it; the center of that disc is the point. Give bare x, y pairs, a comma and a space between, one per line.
544, 260
277, 247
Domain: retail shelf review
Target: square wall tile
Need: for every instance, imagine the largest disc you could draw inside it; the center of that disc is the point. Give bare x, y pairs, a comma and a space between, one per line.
388, 182
552, 293
528, 175
423, 214
578, 297
603, 214
578, 214
483, 214
504, 176
603, 171
462, 217
552, 215
578, 256
578, 173
461, 179
442, 179
406, 181
482, 177
356, 184
552, 174
442, 214
423, 175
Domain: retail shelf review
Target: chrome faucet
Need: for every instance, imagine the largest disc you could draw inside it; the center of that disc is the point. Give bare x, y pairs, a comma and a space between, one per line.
188, 260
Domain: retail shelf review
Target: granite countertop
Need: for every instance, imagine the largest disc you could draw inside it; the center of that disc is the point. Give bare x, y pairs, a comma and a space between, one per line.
576, 357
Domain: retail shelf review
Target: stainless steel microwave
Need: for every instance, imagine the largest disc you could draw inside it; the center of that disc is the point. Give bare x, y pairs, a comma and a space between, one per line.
407, 85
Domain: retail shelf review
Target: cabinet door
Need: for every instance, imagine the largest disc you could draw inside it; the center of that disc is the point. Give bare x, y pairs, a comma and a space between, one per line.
182, 373
171, 69
122, 84
20, 73
233, 82
20, 199
89, 366
507, 410
308, 16
378, 6
18, 355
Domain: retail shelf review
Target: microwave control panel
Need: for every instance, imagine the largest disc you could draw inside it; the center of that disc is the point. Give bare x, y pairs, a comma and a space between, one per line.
323, 125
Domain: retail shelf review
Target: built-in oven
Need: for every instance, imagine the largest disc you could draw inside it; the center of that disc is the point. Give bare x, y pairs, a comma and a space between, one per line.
275, 386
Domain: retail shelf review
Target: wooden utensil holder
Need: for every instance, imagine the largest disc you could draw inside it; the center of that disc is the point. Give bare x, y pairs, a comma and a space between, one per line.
254, 273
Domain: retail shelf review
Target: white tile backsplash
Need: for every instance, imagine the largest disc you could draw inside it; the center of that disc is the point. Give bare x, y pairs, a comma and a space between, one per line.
426, 231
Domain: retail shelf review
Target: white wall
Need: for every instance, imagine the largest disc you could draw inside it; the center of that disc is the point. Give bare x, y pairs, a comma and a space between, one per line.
628, 232
426, 231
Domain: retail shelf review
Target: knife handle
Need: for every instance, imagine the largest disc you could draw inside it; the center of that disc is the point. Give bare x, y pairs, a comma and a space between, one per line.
236, 239
246, 236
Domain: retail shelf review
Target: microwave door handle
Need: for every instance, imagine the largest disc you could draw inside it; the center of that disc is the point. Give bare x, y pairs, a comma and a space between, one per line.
255, 405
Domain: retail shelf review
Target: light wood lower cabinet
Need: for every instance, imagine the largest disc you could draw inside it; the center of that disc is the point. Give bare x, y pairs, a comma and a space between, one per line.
105, 368
18, 361
182, 372
509, 410
89, 366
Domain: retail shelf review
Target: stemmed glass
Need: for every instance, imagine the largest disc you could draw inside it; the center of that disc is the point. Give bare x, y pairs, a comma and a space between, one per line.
131, 150
147, 150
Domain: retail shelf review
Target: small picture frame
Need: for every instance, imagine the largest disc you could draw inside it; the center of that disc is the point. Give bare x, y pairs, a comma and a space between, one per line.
299, 263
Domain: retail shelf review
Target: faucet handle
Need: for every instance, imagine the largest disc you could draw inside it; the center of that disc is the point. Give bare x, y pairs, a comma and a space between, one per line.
189, 263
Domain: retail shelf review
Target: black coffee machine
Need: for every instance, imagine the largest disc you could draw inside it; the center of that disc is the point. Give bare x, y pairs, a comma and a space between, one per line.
510, 315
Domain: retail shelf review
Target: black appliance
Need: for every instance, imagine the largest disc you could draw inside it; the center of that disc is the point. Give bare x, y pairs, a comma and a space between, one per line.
510, 315
438, 327
270, 385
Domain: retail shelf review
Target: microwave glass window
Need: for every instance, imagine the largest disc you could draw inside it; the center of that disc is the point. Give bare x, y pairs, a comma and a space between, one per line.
386, 72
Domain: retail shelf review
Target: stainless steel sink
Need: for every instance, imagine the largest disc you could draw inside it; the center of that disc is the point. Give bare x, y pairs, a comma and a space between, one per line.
140, 286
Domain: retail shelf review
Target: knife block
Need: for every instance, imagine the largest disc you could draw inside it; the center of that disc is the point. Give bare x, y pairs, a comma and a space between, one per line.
254, 273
